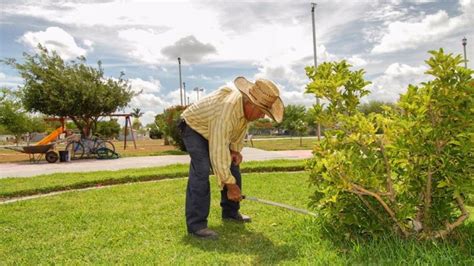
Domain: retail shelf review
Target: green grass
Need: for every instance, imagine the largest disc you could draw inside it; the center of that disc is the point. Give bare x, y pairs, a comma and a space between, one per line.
143, 223
283, 144
156, 153
14, 187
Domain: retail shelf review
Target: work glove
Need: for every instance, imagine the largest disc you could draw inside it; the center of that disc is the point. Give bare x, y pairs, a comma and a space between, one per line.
233, 192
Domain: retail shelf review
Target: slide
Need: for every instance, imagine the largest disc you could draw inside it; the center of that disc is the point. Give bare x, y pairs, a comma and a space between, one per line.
51, 137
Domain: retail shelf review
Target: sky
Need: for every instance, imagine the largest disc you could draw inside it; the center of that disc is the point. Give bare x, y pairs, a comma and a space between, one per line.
220, 40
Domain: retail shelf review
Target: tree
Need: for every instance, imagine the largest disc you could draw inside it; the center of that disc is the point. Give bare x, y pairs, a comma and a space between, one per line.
155, 132
136, 113
374, 107
292, 114
108, 129
14, 119
74, 90
301, 127
168, 122
261, 126
411, 180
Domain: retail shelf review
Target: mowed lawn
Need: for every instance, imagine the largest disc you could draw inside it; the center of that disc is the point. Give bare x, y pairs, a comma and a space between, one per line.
142, 223
279, 144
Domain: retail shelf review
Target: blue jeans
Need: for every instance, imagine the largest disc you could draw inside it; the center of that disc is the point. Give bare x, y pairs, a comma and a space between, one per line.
198, 194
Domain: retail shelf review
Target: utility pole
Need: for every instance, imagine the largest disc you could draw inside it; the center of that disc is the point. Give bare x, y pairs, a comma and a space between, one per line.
184, 92
197, 90
464, 43
313, 7
180, 82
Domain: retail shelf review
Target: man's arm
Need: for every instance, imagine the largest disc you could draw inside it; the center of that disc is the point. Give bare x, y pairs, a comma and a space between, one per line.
236, 157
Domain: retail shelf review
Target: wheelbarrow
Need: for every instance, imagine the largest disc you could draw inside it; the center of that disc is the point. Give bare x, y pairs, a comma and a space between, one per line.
37, 152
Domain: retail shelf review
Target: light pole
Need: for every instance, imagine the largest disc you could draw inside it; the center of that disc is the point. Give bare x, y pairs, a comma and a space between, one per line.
184, 92
197, 90
180, 82
313, 7
464, 43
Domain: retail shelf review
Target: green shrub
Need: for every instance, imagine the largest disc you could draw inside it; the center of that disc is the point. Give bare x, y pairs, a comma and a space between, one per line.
168, 122
411, 180
108, 129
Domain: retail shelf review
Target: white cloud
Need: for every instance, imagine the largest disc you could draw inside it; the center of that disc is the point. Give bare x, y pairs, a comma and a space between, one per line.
395, 81
10, 81
148, 101
148, 117
173, 97
200, 77
228, 30
89, 44
54, 38
152, 86
357, 61
401, 35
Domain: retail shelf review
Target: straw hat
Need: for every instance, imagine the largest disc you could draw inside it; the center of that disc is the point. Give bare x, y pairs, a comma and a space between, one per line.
264, 94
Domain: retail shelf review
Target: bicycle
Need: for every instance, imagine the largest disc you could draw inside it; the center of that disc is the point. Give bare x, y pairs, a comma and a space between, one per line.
87, 146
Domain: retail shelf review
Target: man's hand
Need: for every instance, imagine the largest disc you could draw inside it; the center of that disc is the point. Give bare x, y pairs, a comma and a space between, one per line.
236, 157
233, 192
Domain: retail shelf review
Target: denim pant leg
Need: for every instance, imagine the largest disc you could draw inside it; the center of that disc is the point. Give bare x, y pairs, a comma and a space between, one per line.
231, 208
198, 195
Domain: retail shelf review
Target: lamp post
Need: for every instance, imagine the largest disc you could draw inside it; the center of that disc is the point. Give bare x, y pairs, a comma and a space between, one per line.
197, 90
313, 7
464, 43
184, 92
180, 82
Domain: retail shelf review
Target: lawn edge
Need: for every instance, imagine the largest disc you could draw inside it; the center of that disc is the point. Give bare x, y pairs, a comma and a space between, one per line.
134, 179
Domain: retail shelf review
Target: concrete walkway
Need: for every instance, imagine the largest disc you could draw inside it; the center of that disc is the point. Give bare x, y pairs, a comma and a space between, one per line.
26, 169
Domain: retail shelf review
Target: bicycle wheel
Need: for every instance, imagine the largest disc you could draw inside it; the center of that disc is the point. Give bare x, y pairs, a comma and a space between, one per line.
107, 144
76, 150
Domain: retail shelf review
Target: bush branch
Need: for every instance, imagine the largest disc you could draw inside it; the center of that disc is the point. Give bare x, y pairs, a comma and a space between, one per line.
369, 206
390, 190
427, 199
382, 202
450, 226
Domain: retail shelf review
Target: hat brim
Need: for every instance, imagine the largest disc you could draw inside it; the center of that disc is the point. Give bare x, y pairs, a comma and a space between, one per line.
277, 109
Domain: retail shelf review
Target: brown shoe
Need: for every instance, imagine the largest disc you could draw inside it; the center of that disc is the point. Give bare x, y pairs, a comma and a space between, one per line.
240, 218
205, 233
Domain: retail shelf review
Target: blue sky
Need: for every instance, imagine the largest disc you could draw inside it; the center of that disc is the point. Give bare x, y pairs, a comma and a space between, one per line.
219, 40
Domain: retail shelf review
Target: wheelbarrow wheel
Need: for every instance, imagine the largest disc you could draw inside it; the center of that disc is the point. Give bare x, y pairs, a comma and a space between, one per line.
51, 156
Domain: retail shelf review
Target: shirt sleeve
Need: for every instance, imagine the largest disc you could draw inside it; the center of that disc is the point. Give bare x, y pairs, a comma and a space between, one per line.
219, 141
239, 144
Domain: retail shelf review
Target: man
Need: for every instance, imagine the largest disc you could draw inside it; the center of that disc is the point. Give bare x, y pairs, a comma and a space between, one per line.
213, 131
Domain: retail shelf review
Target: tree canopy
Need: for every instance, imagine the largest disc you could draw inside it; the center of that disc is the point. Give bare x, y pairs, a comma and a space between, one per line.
69, 89
292, 114
14, 119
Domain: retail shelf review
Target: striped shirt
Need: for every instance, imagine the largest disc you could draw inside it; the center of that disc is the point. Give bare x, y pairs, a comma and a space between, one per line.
220, 119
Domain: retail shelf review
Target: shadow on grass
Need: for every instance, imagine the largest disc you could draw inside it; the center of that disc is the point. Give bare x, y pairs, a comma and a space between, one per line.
235, 238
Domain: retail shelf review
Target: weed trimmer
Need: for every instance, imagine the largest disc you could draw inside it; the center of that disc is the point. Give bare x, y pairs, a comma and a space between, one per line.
281, 205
